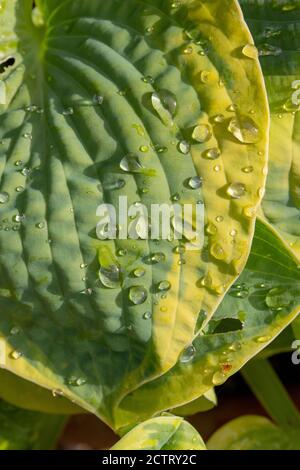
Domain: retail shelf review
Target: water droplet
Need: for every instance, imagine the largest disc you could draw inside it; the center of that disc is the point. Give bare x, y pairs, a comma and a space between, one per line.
165, 104
158, 257
19, 189
195, 182
204, 76
232, 108
131, 163
248, 169
164, 285
236, 190
269, 50
147, 315
16, 354
188, 354
179, 250
122, 252
217, 251
217, 168
4, 197
262, 339
211, 229
27, 135
15, 330
206, 281
218, 378
83, 265
212, 154
175, 197
184, 147
244, 130
115, 185
219, 218
98, 99
110, 276
239, 292
148, 79
249, 212
139, 272
57, 392
144, 148
68, 112
26, 171
19, 218
278, 298
188, 50
150, 29
219, 118
202, 133
18, 163
138, 295
250, 51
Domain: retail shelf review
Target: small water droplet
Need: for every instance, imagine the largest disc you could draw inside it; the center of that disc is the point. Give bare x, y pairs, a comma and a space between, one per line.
16, 354
179, 250
4, 197
68, 112
122, 252
15, 330
18, 163
115, 185
248, 169
206, 281
278, 298
26, 171
147, 315
262, 339
211, 229
184, 147
204, 76
188, 50
217, 251
212, 154
19, 189
249, 212
98, 99
165, 104
148, 79
57, 392
250, 51
19, 218
219, 218
139, 272
218, 378
164, 286
144, 148
236, 190
219, 118
138, 295
195, 182
217, 168
27, 135
157, 258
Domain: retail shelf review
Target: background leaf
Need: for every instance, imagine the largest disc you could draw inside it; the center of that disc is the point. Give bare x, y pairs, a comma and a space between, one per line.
163, 433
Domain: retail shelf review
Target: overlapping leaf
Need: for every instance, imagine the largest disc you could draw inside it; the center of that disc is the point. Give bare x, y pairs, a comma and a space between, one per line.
78, 100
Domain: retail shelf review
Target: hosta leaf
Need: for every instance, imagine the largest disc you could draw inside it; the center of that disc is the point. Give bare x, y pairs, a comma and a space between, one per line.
204, 403
79, 105
251, 315
163, 433
276, 29
28, 430
253, 433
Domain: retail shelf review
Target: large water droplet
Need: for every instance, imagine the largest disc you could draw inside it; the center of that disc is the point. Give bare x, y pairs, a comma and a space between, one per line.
138, 295
110, 276
244, 130
236, 190
165, 104
202, 133
184, 147
131, 163
188, 354
279, 298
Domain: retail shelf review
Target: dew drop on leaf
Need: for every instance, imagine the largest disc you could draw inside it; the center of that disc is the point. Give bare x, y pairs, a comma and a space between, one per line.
164, 286
184, 147
244, 130
236, 190
188, 354
195, 182
4, 197
202, 133
250, 51
212, 154
131, 163
110, 276
138, 295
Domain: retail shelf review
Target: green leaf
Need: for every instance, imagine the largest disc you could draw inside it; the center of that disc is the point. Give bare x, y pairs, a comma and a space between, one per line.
275, 27
163, 433
79, 99
252, 433
28, 430
243, 325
